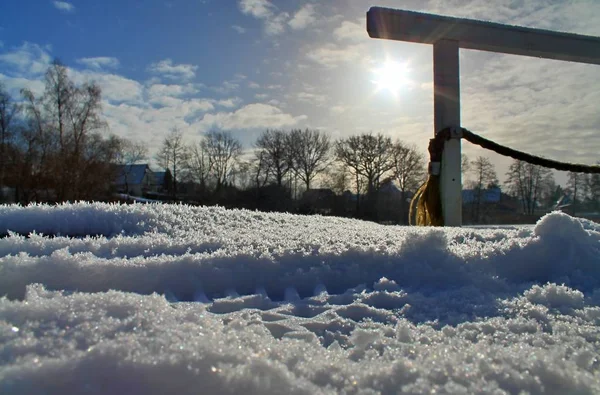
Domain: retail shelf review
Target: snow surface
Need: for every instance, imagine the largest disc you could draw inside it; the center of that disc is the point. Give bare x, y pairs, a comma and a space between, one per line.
186, 300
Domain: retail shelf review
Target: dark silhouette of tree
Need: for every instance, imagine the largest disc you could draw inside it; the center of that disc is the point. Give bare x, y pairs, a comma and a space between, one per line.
173, 155
337, 178
577, 183
485, 177
309, 152
60, 132
72, 113
276, 153
527, 183
198, 166
223, 152
9, 109
369, 157
465, 168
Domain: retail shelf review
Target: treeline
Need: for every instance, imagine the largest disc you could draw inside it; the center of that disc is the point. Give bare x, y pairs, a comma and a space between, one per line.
56, 147
279, 171
52, 147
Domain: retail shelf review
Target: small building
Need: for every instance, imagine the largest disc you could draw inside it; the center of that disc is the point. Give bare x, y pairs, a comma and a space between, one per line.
490, 195
163, 181
135, 180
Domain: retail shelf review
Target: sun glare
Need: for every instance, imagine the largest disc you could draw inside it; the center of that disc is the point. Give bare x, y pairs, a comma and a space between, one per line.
392, 76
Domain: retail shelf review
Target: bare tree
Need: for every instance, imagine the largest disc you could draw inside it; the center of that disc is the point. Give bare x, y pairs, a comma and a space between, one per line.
309, 152
465, 167
577, 183
369, 157
485, 177
408, 171
72, 113
337, 178
527, 182
223, 152
59, 132
262, 169
98, 157
199, 166
38, 146
277, 153
173, 155
8, 110
243, 174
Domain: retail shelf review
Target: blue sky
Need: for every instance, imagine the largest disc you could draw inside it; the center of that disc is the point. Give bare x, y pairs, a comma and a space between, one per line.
248, 65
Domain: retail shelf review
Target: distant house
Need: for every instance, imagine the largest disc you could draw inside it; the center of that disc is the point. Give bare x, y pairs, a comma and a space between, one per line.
491, 195
389, 189
162, 181
135, 180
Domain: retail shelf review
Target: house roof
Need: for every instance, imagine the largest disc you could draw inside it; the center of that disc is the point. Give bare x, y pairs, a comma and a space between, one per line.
491, 195
389, 187
131, 174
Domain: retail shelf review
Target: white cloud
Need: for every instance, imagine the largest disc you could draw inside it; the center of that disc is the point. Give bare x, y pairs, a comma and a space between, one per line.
227, 87
158, 90
311, 97
251, 116
99, 62
30, 59
260, 9
14, 85
274, 23
172, 71
114, 87
230, 103
331, 55
304, 17
351, 31
336, 110
253, 85
238, 29
64, 6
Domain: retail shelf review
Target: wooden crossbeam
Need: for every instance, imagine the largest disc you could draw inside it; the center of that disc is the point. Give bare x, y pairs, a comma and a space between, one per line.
425, 28
448, 35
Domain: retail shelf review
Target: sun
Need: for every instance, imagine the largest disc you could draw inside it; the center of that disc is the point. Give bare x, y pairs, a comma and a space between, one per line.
392, 76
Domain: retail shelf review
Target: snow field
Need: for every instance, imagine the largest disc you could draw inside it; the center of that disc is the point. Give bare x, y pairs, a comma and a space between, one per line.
178, 299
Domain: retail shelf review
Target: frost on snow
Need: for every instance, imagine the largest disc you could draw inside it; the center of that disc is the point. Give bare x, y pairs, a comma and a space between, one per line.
185, 300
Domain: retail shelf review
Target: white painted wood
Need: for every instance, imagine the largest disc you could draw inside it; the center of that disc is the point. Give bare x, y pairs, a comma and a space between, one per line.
485, 36
446, 103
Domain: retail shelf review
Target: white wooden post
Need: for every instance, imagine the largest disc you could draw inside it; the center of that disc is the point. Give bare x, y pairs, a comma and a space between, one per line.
448, 35
446, 109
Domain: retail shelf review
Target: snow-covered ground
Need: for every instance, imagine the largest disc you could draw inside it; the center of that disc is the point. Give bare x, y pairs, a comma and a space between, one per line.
170, 299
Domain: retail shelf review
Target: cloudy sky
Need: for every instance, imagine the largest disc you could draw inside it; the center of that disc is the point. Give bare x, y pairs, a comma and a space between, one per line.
248, 65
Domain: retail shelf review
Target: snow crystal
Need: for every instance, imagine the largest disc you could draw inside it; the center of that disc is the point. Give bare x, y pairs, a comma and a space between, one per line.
153, 299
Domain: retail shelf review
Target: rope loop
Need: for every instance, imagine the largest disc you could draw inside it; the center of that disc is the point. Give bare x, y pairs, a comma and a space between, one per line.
426, 205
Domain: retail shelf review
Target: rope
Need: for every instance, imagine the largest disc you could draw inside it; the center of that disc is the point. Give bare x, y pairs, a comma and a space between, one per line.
534, 160
426, 205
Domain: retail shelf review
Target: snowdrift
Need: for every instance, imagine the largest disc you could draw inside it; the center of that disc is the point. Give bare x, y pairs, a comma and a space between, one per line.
153, 299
